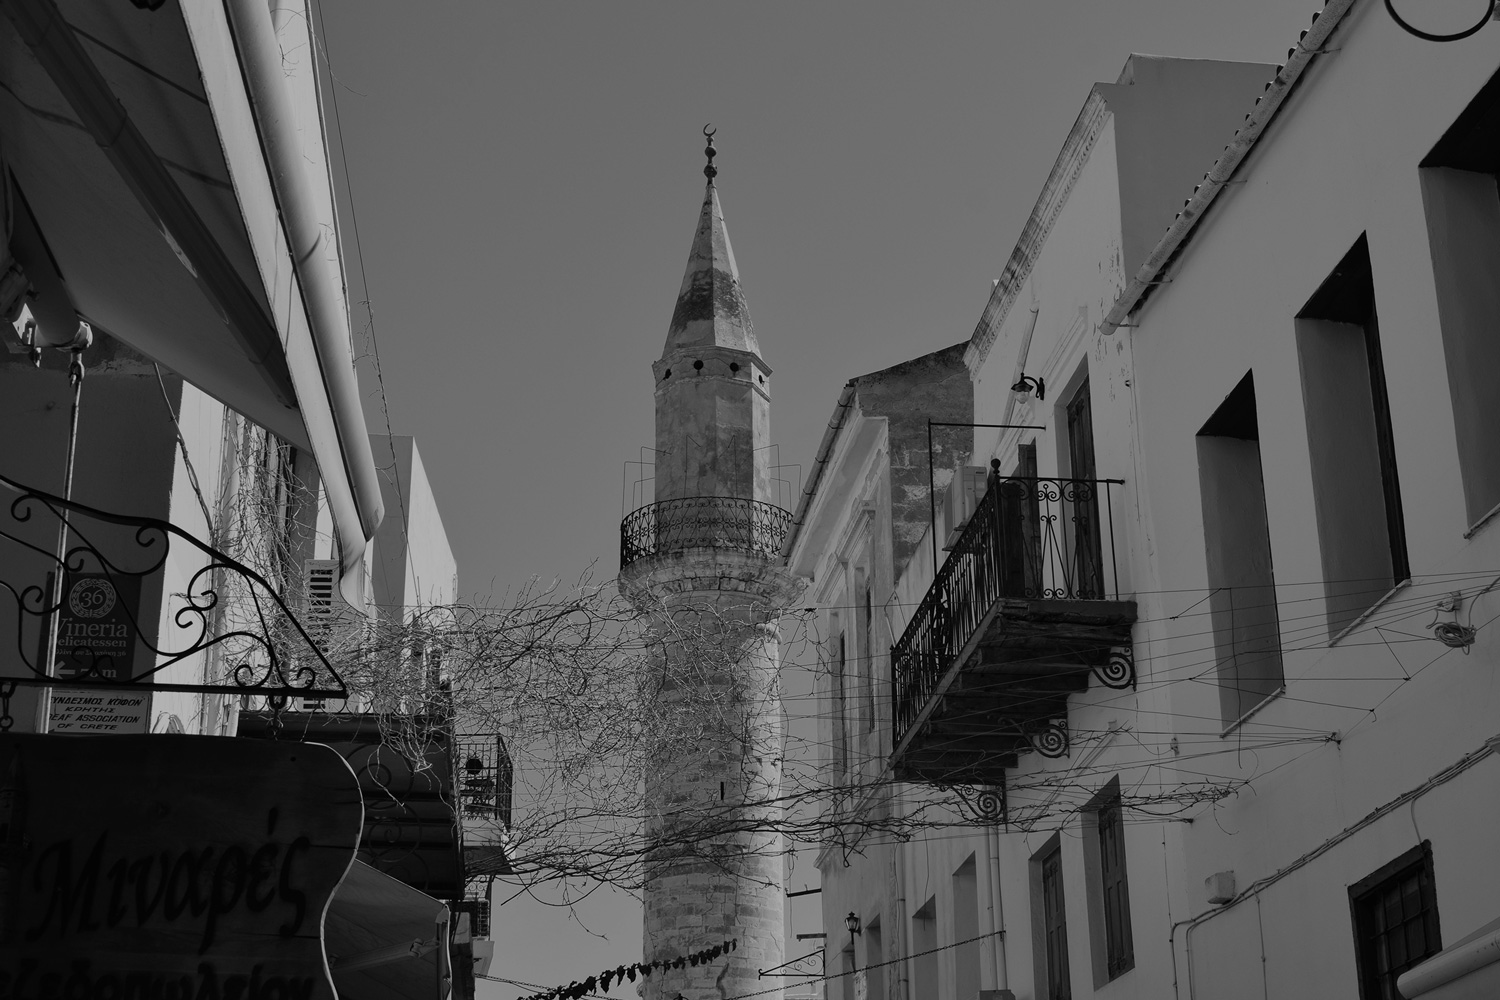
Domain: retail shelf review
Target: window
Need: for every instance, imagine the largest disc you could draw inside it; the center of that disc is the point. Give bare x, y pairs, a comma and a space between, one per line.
1237, 543
1088, 566
966, 926
867, 652
1463, 224
1356, 491
1395, 922
1110, 894
840, 712
849, 970
924, 967
1049, 916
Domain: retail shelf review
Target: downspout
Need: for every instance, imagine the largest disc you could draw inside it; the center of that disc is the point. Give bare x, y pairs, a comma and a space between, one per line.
1266, 106
997, 909
320, 276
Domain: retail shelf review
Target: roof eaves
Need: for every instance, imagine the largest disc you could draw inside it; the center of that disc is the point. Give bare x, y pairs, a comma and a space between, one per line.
1065, 170
1267, 105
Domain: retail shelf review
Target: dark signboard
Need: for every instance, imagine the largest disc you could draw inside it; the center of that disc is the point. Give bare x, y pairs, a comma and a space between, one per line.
98, 626
97, 629
191, 867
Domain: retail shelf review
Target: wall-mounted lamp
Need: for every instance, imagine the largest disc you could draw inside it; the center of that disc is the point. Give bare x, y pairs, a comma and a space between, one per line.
1025, 386
852, 922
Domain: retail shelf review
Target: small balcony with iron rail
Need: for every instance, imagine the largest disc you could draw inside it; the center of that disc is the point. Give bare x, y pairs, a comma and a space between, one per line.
1023, 612
730, 524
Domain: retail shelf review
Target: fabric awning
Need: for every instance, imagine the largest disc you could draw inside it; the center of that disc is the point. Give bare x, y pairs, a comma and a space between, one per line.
173, 163
385, 940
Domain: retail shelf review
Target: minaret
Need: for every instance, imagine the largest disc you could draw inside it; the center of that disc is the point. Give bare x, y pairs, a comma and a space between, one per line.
702, 561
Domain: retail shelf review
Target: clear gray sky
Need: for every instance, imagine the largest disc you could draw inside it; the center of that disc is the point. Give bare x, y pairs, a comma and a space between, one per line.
526, 180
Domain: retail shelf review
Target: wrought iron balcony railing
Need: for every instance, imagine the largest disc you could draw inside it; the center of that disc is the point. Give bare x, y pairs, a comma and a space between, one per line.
1029, 539
750, 526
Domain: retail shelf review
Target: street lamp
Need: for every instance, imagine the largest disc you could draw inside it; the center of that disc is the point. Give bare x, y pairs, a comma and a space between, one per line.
852, 922
1024, 386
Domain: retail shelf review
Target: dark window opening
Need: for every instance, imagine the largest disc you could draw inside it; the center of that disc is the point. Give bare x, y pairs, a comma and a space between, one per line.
1459, 192
1356, 490
1088, 568
1055, 927
1119, 946
1395, 922
1237, 544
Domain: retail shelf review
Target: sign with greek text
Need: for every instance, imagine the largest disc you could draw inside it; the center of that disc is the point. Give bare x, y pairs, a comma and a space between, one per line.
193, 867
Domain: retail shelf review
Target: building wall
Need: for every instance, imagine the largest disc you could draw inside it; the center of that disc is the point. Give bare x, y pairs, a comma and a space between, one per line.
1386, 708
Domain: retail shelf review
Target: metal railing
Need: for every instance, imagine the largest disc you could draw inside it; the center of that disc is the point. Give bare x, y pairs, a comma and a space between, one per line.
750, 526
486, 777
1028, 539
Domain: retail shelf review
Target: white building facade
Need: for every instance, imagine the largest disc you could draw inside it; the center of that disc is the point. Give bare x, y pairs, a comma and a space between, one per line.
1200, 686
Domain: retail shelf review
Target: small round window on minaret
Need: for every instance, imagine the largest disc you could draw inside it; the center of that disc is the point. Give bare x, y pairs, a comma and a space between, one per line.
697, 366
762, 380
667, 373
734, 366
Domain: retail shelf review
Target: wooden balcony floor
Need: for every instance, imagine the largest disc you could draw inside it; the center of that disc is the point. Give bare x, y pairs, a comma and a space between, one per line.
1009, 683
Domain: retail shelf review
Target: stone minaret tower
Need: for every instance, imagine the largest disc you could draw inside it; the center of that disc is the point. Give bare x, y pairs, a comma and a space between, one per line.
702, 560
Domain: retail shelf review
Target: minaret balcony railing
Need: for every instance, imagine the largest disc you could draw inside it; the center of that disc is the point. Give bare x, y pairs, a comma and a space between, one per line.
1026, 607
750, 526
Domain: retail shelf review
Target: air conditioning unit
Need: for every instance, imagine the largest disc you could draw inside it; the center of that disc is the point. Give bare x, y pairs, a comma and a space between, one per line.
959, 503
333, 625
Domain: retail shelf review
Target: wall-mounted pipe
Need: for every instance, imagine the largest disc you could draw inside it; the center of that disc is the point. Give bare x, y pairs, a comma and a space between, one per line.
319, 272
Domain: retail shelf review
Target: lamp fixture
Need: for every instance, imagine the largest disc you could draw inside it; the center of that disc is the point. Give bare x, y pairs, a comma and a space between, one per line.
852, 922
1026, 384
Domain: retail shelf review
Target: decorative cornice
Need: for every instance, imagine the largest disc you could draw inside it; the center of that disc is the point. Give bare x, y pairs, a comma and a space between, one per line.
1065, 171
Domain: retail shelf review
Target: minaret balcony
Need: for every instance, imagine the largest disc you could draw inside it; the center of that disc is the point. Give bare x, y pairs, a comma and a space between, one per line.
1023, 612
752, 527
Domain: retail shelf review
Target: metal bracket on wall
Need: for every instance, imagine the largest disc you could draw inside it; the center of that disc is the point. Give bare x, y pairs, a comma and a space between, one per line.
226, 607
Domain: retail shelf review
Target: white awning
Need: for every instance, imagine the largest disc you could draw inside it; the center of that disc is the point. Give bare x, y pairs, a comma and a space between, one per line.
174, 164
1467, 970
385, 940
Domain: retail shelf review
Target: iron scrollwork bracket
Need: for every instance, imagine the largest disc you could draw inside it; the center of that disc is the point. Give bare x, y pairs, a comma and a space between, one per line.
985, 804
1119, 672
1049, 738
271, 655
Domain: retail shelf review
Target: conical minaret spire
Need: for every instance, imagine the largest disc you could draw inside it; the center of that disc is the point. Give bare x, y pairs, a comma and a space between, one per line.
711, 309
713, 397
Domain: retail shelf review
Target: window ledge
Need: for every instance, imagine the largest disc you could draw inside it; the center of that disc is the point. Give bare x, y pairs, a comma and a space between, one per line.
1486, 519
1365, 615
1237, 723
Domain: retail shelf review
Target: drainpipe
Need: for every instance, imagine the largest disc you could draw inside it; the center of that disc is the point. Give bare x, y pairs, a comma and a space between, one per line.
904, 940
315, 259
997, 909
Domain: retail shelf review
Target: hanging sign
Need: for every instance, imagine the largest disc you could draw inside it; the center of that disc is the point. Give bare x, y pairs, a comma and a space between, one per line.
97, 629
193, 867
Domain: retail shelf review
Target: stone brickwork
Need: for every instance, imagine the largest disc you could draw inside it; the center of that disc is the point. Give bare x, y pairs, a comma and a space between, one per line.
938, 387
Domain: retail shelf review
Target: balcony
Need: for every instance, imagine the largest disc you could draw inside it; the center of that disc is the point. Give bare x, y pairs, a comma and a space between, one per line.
1024, 610
485, 788
733, 523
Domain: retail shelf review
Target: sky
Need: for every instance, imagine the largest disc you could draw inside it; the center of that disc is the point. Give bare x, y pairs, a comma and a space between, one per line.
525, 180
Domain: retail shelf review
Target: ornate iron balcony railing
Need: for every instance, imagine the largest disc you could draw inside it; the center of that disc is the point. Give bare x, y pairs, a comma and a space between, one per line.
1028, 539
703, 523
